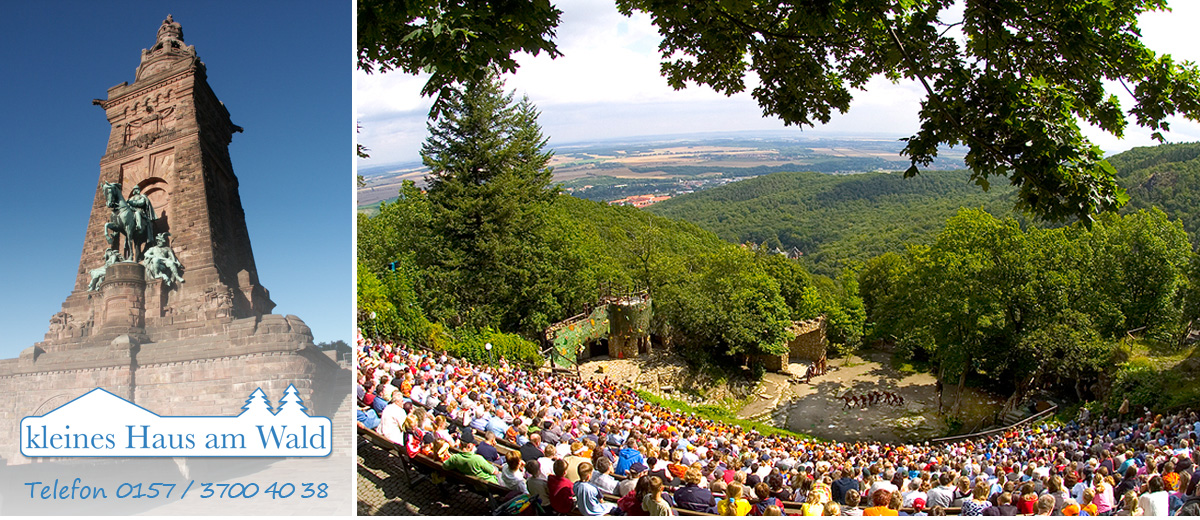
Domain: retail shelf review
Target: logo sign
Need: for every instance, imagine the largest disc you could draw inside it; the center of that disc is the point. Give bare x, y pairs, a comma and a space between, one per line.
101, 424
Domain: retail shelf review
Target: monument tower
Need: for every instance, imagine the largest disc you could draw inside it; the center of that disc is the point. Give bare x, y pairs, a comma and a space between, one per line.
167, 309
170, 137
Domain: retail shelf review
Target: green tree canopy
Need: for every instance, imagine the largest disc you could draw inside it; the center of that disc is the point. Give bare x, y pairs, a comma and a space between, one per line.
1010, 84
1025, 308
455, 40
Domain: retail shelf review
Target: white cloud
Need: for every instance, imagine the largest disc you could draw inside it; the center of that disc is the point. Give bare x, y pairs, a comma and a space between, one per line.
1166, 33
607, 84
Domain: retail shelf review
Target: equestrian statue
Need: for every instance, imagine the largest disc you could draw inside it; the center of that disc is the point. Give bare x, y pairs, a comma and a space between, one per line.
132, 217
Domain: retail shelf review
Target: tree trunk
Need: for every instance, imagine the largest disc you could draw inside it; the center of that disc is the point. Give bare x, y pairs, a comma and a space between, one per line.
962, 383
941, 389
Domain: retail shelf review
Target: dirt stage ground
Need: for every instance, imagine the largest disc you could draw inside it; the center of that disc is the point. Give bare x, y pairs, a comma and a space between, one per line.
817, 408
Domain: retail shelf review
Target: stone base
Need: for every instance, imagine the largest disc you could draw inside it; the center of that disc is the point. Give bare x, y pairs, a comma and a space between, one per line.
210, 369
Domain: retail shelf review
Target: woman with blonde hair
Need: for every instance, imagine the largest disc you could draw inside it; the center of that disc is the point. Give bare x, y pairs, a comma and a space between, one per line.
1104, 499
813, 505
978, 501
653, 502
733, 504
1088, 504
962, 491
412, 436
1129, 505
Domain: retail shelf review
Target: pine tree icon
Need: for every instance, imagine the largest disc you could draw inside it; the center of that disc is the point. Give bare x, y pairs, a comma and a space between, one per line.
257, 404
291, 403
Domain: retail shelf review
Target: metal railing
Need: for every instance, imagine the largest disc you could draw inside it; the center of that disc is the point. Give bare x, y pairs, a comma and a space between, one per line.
1044, 413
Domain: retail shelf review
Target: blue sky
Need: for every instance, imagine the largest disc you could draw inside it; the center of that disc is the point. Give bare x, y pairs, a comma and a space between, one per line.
607, 85
283, 70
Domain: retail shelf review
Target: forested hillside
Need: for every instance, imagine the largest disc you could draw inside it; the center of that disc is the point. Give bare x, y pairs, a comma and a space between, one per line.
836, 219
993, 295
1167, 177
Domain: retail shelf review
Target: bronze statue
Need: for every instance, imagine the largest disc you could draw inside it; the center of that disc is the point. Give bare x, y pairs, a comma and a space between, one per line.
161, 262
110, 257
132, 217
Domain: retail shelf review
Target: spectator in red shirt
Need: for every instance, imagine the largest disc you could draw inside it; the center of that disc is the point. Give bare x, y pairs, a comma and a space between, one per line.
562, 492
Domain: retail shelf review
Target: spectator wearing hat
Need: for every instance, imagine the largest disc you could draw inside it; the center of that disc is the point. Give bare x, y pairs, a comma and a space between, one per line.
636, 470
918, 505
574, 460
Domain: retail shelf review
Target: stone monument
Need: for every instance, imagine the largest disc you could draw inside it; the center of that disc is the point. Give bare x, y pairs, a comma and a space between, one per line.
180, 326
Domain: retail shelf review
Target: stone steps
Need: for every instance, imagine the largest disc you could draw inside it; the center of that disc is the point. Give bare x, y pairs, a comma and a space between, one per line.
344, 431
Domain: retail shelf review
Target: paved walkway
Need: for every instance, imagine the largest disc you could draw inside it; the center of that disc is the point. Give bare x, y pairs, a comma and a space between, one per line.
382, 491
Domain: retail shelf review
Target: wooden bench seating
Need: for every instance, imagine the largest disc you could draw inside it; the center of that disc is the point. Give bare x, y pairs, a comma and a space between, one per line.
412, 466
495, 492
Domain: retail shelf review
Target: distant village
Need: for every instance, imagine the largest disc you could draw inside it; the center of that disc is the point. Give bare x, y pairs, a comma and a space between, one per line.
658, 192
638, 201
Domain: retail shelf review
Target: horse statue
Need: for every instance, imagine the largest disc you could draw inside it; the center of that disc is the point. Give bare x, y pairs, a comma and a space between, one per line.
132, 217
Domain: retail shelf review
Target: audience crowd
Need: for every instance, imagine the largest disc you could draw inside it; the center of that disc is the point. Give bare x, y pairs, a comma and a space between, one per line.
566, 444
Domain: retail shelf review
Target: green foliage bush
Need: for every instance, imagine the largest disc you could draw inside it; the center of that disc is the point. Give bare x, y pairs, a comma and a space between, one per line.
718, 413
1148, 386
1030, 307
1138, 382
470, 344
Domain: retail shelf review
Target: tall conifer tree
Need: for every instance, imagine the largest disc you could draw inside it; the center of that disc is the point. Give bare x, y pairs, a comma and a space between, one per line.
489, 187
